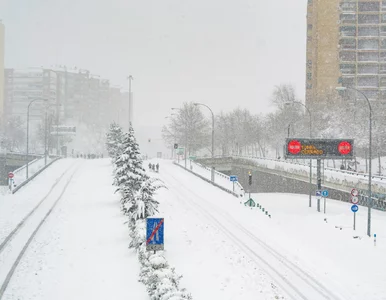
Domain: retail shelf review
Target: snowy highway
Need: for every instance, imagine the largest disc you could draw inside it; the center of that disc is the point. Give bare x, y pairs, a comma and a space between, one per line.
63, 237
241, 252
72, 244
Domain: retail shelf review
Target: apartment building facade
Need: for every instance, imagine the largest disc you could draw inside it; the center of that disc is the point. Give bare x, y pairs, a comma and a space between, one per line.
2, 41
75, 96
346, 46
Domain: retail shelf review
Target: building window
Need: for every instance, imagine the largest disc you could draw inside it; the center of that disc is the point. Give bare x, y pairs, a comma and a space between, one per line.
309, 76
367, 56
347, 56
309, 64
367, 81
368, 19
368, 44
382, 69
348, 6
347, 44
348, 30
382, 82
309, 86
384, 5
368, 31
382, 56
347, 68
367, 69
348, 18
347, 81
368, 6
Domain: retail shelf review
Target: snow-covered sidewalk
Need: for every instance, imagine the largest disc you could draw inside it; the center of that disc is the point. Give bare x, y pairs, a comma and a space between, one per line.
82, 251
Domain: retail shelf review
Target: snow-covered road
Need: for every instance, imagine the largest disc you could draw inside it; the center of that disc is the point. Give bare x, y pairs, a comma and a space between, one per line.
227, 251
80, 251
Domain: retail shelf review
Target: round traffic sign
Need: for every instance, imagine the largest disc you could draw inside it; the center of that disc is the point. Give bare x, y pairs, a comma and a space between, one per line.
354, 192
354, 199
294, 147
325, 193
354, 208
344, 148
11, 175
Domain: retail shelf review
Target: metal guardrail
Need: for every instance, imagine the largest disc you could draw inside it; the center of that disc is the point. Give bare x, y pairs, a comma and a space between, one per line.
209, 181
34, 175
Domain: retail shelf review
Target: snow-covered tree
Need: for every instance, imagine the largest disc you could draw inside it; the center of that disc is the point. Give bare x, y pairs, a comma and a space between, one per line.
129, 173
114, 140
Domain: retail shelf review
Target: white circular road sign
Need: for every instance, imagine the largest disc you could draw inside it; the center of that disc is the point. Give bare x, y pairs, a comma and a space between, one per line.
354, 200
354, 192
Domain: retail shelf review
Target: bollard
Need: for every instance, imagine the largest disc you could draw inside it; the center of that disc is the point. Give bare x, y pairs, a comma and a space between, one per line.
375, 239
263, 209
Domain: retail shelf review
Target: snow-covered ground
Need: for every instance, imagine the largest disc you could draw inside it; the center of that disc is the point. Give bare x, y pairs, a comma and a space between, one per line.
228, 251
33, 167
81, 252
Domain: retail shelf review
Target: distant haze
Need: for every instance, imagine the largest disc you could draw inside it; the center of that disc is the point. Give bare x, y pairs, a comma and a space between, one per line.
222, 53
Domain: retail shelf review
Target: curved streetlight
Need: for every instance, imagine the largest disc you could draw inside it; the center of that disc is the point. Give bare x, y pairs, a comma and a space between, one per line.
197, 104
370, 200
29, 105
309, 113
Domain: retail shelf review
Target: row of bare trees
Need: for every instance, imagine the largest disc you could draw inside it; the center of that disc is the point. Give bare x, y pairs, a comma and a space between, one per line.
240, 132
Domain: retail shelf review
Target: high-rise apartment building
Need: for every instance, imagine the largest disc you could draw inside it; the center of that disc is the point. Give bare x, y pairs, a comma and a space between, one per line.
2, 92
346, 46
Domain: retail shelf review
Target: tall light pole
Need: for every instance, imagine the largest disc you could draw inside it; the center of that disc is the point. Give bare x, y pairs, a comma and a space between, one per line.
212, 173
309, 113
370, 200
186, 136
46, 132
130, 78
29, 105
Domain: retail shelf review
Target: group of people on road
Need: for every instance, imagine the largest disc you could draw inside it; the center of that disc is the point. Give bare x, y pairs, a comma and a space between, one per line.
90, 156
153, 167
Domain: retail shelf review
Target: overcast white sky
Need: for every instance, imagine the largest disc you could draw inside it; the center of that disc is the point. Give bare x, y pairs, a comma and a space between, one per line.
225, 53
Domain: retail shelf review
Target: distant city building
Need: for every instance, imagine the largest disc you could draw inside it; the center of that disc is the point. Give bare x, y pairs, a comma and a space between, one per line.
346, 46
75, 96
24, 85
2, 33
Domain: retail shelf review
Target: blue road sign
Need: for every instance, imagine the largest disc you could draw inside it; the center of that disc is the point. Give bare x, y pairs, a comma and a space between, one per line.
154, 234
354, 208
233, 178
325, 193
318, 193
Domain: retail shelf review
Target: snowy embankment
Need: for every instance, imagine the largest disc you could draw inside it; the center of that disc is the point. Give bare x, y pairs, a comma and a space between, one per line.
240, 253
346, 180
220, 178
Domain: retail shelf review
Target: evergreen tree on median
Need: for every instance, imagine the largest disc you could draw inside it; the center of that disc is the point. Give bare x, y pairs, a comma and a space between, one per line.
114, 140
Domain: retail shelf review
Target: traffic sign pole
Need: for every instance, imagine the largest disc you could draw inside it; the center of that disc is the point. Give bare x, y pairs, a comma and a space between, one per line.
354, 219
319, 179
233, 186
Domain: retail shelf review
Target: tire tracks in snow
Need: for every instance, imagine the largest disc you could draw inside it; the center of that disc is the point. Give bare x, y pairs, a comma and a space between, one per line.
31, 236
287, 273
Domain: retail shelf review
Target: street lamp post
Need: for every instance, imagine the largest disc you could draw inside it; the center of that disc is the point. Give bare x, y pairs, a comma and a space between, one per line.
130, 78
29, 105
310, 128
370, 200
212, 173
186, 136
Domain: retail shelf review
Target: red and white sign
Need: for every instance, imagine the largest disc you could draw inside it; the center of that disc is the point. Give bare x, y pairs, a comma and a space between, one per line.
344, 148
11, 175
354, 200
354, 192
294, 147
